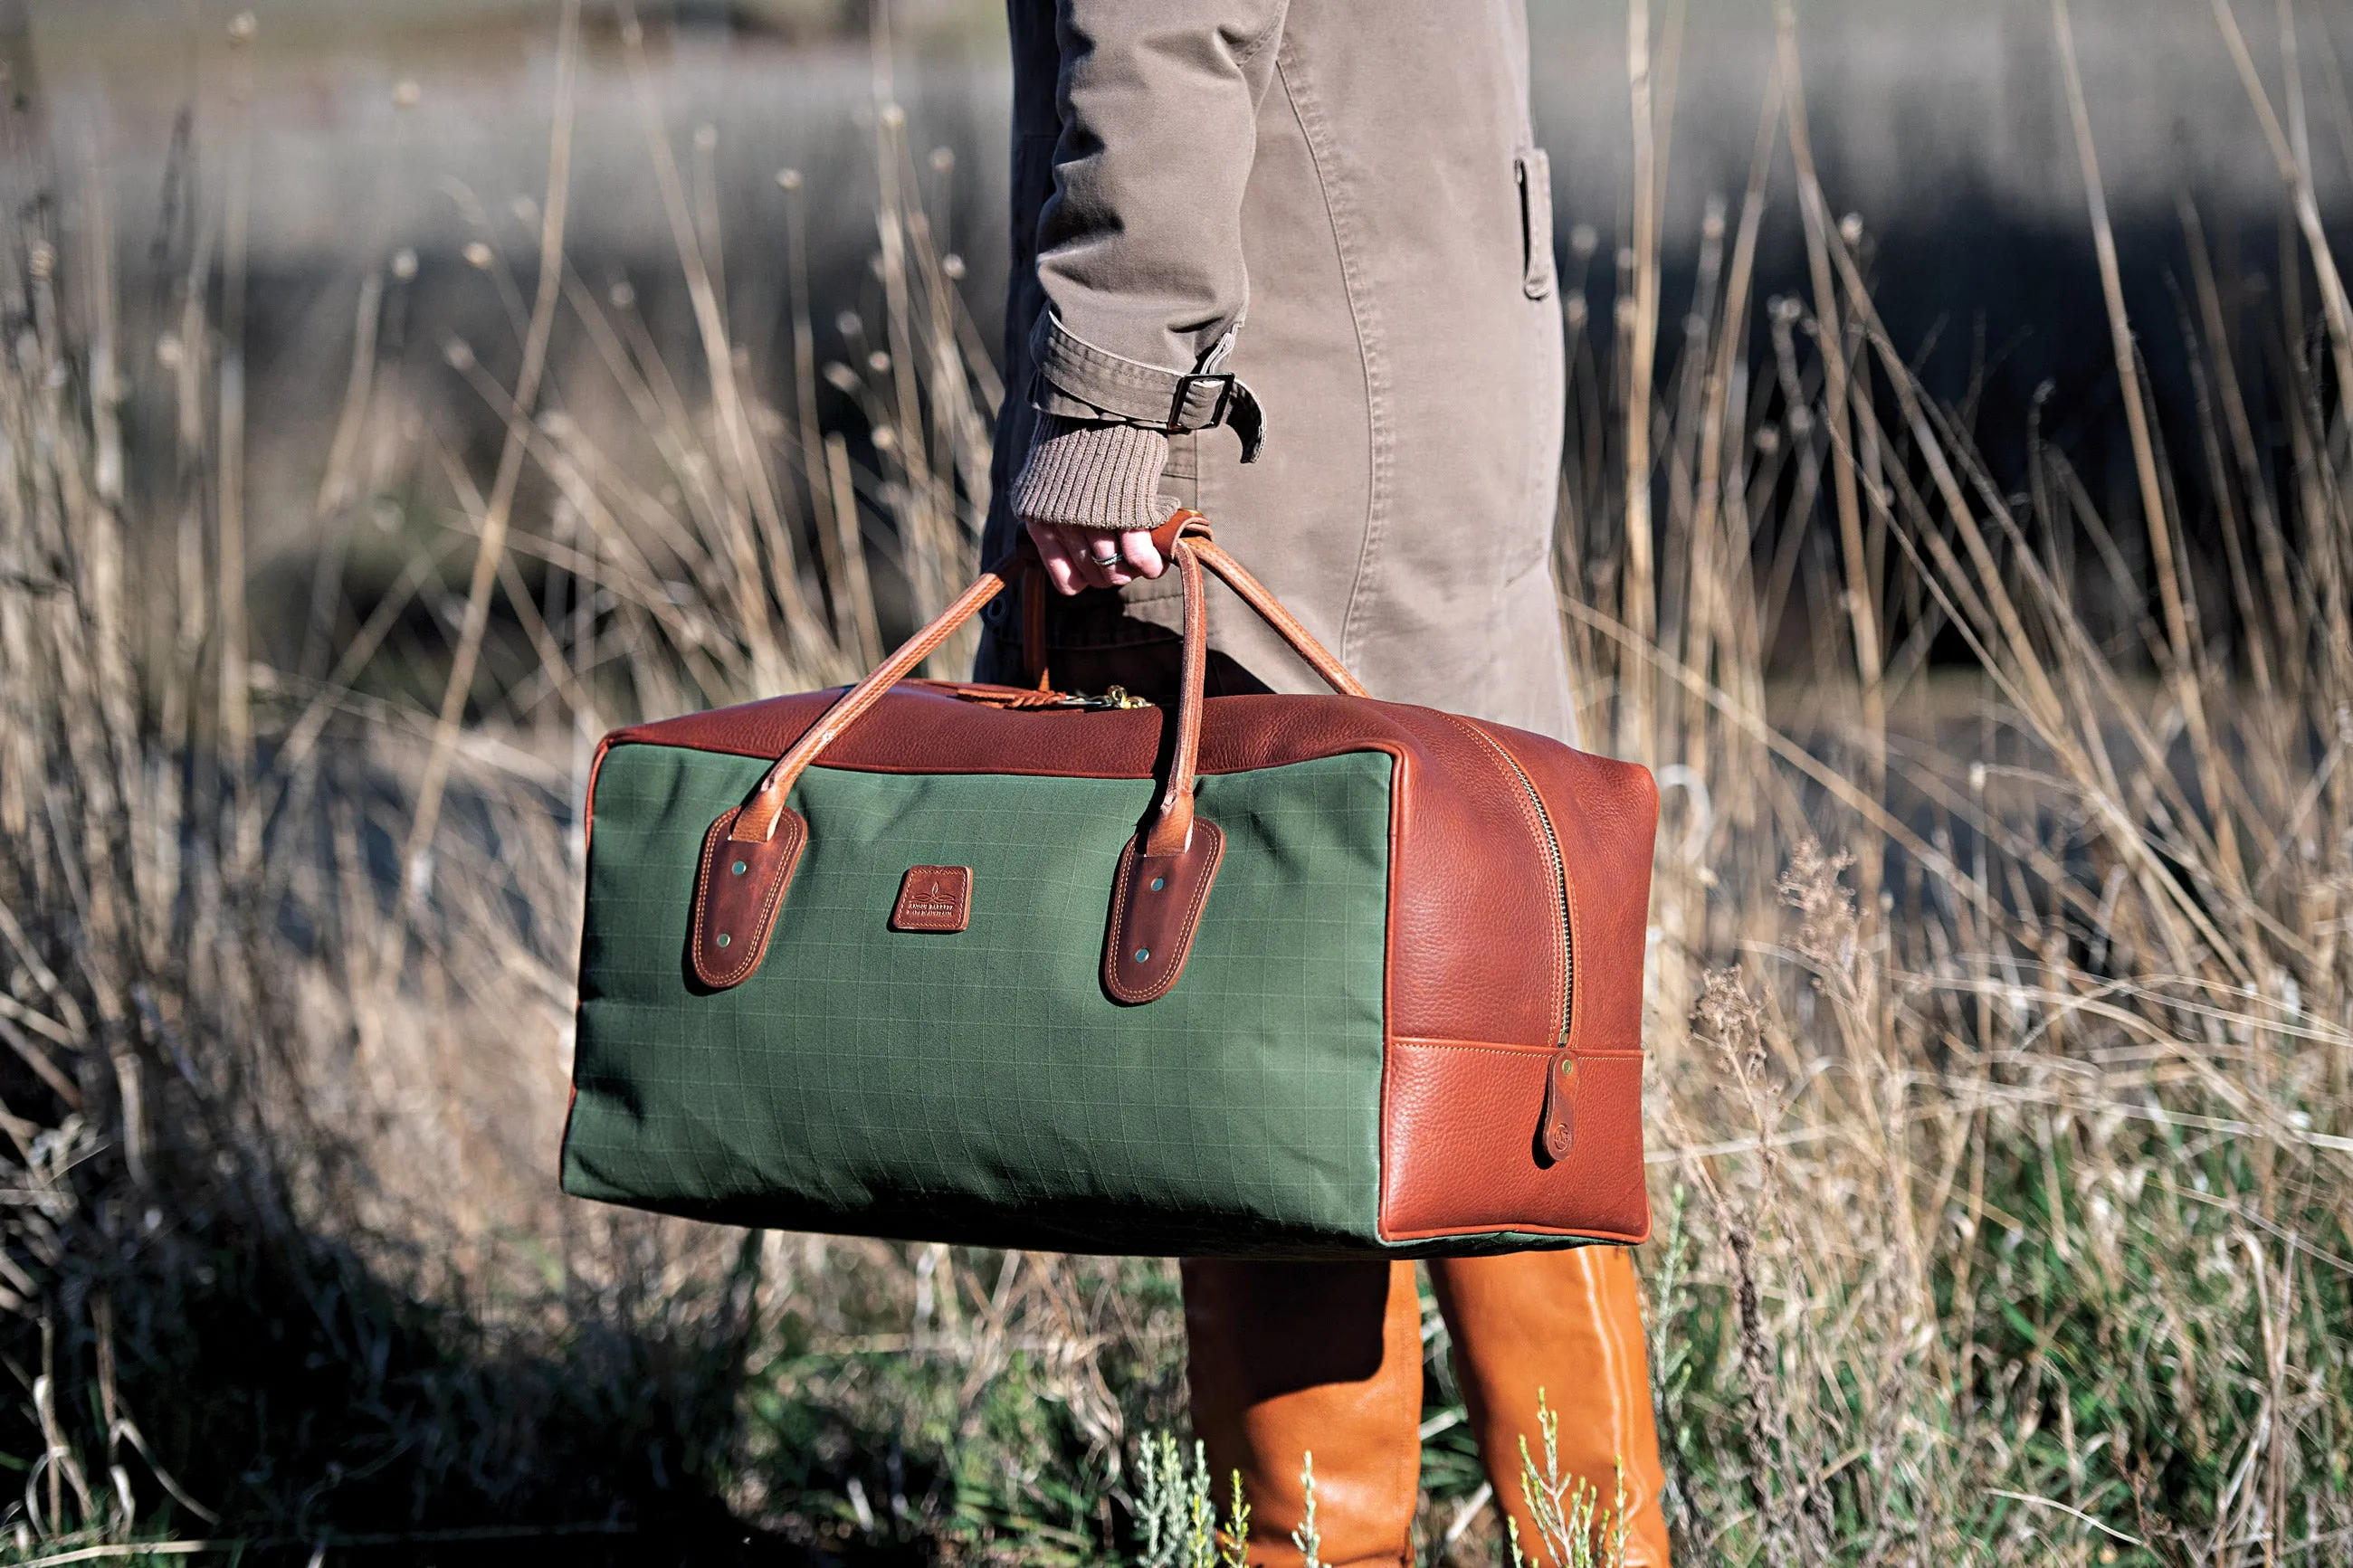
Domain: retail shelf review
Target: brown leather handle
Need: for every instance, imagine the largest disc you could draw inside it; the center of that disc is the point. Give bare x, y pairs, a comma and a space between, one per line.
1184, 535
756, 822
749, 854
1172, 829
1254, 594
1192, 526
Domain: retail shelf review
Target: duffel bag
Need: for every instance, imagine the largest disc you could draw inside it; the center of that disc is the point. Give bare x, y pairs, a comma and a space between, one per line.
1266, 974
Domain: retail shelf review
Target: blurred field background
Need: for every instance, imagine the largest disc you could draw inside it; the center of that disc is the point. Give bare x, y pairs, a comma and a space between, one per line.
398, 395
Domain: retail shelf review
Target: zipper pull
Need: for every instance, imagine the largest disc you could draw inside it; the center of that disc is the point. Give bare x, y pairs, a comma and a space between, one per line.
1559, 1127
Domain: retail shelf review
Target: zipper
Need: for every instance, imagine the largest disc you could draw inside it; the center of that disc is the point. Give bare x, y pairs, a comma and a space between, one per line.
1117, 697
1558, 1121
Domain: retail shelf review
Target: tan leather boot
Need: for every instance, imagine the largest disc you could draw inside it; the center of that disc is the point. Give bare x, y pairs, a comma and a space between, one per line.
1289, 1359
1570, 1324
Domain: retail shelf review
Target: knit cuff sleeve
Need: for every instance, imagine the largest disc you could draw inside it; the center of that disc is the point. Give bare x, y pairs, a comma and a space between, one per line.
1084, 474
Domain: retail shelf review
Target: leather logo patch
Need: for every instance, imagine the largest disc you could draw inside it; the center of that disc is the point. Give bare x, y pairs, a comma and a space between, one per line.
934, 898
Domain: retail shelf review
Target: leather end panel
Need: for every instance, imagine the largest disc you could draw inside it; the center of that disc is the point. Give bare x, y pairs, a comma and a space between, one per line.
1605, 814
1156, 903
736, 894
1464, 1136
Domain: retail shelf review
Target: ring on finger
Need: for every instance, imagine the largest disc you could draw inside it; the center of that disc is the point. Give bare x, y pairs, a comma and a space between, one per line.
1104, 550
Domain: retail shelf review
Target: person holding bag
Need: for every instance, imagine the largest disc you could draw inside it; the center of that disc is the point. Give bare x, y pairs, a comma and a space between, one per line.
1380, 443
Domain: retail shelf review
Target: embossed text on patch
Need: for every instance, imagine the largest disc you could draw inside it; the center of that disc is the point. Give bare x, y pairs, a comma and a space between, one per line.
934, 898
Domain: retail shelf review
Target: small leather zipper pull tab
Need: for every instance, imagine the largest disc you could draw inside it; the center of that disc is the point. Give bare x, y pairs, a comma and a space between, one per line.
1559, 1130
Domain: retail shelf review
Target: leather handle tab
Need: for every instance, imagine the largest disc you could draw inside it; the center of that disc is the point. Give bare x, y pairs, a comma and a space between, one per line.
1156, 905
735, 898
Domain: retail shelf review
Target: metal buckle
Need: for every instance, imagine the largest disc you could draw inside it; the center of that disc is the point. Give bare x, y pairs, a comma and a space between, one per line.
1225, 379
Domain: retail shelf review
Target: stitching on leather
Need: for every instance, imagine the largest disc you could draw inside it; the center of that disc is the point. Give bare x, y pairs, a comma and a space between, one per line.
754, 951
1389, 981
1125, 890
787, 863
702, 886
1184, 931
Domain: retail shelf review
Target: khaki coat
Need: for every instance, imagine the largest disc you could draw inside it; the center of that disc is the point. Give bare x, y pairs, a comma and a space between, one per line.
1339, 201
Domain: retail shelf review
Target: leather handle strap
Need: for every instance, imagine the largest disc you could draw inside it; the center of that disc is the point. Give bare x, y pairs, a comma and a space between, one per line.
1270, 609
750, 853
1195, 528
756, 822
1185, 540
1172, 830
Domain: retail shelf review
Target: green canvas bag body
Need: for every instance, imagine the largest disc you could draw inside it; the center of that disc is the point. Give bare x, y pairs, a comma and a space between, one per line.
1287, 975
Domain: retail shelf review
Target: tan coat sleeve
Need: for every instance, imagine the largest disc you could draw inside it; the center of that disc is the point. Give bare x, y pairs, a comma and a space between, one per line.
1139, 247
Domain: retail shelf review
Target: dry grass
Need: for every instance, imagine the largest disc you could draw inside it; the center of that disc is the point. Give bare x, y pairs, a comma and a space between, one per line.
2003, 1101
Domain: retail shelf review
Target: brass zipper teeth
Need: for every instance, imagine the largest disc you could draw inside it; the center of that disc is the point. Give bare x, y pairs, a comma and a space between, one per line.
1560, 889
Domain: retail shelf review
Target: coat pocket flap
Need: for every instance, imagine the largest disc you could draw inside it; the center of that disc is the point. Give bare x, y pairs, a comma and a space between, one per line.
1534, 170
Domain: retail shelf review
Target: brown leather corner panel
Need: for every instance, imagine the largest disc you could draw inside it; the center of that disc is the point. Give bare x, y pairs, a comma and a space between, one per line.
1475, 944
1459, 1144
1607, 816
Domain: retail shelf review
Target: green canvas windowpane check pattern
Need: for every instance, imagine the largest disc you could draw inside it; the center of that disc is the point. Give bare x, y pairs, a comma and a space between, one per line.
980, 1086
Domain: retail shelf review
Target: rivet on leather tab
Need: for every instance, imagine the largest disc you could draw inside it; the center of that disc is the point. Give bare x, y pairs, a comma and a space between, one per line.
738, 888
1156, 903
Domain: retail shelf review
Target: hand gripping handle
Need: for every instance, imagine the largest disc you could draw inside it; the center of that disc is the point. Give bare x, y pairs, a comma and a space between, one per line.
750, 853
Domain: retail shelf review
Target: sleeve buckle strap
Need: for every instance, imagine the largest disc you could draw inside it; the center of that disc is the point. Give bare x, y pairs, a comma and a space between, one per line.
1182, 413
1077, 380
1204, 399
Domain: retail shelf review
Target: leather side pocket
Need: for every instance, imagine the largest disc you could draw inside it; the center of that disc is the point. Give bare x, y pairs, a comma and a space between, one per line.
1532, 169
